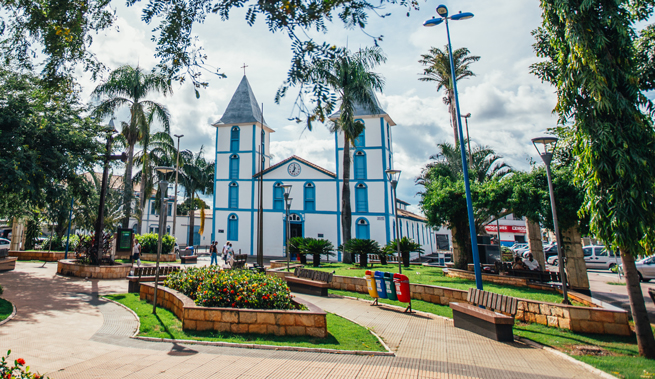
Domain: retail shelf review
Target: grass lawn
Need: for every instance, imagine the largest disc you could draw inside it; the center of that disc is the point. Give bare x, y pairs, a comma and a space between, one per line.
5, 309
434, 276
342, 334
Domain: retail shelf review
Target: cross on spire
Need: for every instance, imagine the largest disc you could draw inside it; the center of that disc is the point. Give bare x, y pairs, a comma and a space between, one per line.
244, 68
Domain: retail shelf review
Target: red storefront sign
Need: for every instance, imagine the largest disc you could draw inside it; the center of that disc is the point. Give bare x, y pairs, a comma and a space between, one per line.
505, 229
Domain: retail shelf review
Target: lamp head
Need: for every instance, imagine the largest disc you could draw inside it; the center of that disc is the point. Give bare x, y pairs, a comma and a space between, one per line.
164, 169
547, 143
178, 135
461, 16
467, 115
393, 175
433, 22
442, 11
287, 189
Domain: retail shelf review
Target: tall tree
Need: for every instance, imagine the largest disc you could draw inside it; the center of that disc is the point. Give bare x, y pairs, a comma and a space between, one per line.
437, 70
589, 46
197, 177
350, 76
129, 86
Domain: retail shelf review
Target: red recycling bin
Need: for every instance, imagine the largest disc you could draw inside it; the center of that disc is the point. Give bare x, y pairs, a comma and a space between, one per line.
402, 288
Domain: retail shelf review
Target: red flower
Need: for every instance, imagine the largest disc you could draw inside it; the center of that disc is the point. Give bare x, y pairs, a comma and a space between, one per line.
20, 361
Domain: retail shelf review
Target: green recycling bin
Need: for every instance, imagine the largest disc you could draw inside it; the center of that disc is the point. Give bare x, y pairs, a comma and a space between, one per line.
391, 288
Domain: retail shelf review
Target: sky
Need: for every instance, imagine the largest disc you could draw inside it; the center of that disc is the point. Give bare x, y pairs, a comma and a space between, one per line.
508, 104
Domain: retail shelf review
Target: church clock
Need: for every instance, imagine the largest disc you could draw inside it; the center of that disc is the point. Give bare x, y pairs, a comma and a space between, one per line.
293, 169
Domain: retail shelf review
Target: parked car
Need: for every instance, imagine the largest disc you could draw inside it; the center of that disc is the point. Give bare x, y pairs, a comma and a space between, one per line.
599, 257
646, 268
550, 254
4, 243
517, 246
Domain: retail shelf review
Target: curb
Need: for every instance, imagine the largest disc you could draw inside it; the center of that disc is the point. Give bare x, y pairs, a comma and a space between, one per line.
395, 307
138, 320
12, 315
370, 331
268, 347
586, 366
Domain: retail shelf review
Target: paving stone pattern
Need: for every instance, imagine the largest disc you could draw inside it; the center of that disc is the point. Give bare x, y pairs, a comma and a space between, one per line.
63, 329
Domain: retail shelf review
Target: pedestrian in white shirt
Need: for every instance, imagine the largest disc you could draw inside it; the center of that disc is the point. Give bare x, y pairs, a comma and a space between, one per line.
530, 263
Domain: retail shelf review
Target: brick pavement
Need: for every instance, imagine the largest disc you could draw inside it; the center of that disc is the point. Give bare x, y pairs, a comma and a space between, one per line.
64, 330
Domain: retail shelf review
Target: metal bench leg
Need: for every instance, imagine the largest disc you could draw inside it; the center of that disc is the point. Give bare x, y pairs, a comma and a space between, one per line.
409, 308
375, 302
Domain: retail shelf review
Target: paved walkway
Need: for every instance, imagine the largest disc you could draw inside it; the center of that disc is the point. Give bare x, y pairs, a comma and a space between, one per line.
64, 329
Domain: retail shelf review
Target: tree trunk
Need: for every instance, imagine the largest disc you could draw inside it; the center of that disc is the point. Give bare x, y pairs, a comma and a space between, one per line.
363, 260
534, 242
405, 255
145, 177
453, 116
383, 260
302, 258
346, 216
192, 220
645, 339
127, 187
316, 260
576, 268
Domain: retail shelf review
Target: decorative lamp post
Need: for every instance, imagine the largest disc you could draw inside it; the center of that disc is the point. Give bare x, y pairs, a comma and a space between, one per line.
394, 176
163, 188
177, 169
468, 139
546, 153
287, 203
443, 13
68, 233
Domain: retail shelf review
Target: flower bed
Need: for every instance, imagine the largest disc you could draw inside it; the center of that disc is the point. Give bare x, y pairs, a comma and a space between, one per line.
212, 287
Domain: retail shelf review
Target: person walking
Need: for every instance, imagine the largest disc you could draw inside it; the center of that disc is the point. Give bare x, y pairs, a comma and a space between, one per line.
136, 253
224, 252
229, 255
214, 253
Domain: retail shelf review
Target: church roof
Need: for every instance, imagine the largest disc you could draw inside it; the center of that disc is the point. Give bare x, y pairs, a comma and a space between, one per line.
295, 157
243, 108
407, 214
361, 110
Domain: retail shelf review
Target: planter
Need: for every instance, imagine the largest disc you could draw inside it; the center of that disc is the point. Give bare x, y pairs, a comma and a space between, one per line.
162, 258
47, 256
71, 267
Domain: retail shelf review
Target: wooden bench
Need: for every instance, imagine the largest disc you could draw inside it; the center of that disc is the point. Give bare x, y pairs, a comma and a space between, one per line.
487, 322
538, 276
186, 259
147, 274
239, 261
311, 282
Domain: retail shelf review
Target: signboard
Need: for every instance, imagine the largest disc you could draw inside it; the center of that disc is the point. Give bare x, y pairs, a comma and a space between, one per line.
124, 240
506, 229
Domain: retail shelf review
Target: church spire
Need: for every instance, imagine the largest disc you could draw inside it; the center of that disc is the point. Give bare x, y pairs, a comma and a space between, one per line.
243, 107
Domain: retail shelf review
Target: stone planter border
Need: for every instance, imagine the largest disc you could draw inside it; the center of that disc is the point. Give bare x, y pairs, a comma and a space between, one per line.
70, 267
240, 321
47, 256
162, 258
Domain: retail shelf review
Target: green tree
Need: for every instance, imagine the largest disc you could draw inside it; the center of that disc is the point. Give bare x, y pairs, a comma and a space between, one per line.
351, 78
316, 247
128, 87
197, 177
406, 246
362, 247
437, 70
589, 47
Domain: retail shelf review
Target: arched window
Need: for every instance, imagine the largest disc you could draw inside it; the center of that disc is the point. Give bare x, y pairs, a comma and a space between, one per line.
361, 198
278, 197
234, 166
310, 197
360, 165
232, 227
362, 231
359, 141
234, 139
294, 218
233, 196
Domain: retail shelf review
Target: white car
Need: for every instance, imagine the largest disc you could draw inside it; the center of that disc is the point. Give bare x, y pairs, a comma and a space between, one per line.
646, 268
4, 243
600, 257
518, 246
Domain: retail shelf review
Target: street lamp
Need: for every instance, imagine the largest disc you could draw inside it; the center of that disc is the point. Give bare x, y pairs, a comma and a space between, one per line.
394, 176
287, 203
546, 153
468, 139
177, 169
443, 13
163, 188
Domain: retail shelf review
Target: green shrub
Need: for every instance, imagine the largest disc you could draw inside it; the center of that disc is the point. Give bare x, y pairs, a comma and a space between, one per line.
1, 290
211, 287
317, 247
148, 243
363, 247
59, 244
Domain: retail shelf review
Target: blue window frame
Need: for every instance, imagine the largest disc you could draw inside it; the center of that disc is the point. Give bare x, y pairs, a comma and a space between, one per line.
361, 198
360, 165
233, 196
407, 227
362, 231
394, 230
401, 228
233, 227
234, 138
234, 166
360, 140
310, 197
278, 197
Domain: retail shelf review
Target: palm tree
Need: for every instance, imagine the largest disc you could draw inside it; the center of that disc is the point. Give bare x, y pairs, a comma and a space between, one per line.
349, 75
406, 246
197, 176
128, 86
438, 70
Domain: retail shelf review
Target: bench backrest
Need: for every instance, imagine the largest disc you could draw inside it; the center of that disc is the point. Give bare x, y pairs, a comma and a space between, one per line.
494, 301
151, 270
239, 260
4, 253
320, 276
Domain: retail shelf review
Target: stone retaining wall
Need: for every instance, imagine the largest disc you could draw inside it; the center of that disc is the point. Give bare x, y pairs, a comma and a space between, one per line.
491, 278
162, 258
47, 256
259, 321
70, 267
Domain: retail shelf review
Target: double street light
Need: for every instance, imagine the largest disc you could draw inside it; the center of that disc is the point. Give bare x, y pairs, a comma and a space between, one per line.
163, 189
443, 13
287, 203
546, 153
394, 176
177, 170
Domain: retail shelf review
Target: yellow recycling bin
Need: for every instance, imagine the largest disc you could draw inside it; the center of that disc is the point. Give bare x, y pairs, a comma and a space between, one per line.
370, 282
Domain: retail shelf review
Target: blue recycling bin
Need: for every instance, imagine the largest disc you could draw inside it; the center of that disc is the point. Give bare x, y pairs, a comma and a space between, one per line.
380, 284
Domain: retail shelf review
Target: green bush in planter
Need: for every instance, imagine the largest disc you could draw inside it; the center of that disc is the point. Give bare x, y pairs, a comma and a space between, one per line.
363, 247
316, 247
148, 243
406, 246
59, 243
294, 247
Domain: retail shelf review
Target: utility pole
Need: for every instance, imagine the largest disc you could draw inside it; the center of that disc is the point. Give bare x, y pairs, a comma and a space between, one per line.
177, 170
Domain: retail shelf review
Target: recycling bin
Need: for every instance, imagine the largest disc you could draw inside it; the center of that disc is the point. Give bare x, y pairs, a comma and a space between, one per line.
402, 288
370, 282
379, 283
391, 288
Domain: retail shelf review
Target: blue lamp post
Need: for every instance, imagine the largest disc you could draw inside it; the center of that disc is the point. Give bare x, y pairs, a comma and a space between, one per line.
443, 13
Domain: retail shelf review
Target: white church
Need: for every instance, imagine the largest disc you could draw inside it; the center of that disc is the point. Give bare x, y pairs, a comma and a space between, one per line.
243, 139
